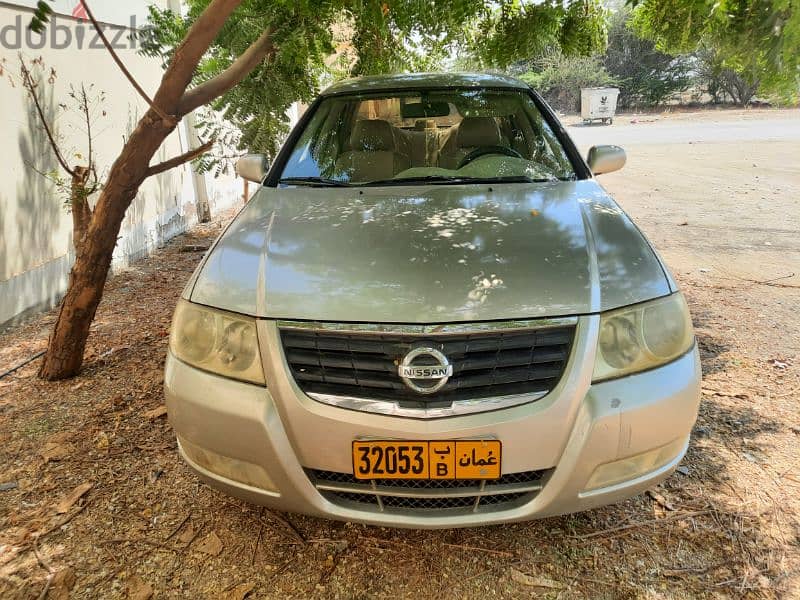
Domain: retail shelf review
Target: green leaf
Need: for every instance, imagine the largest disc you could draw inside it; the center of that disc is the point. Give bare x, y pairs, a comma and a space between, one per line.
41, 16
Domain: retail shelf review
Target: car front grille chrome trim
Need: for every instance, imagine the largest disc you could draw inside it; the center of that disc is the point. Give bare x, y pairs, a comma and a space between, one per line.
463, 368
458, 408
429, 330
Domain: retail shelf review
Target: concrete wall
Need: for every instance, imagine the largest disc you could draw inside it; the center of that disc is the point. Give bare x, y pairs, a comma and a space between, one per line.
35, 226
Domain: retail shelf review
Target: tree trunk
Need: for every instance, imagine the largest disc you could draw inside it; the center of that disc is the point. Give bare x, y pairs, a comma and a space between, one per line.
79, 203
87, 279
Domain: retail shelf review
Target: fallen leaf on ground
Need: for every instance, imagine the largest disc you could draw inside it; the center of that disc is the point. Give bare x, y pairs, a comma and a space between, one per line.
749, 457
60, 437
194, 248
534, 581
187, 535
211, 544
101, 442
139, 589
150, 415
660, 500
54, 451
75, 495
240, 592
62, 584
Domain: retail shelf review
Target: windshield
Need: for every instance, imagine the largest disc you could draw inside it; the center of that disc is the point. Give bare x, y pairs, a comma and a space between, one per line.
438, 135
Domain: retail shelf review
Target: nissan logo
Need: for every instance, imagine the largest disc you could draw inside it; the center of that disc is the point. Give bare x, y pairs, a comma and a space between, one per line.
411, 373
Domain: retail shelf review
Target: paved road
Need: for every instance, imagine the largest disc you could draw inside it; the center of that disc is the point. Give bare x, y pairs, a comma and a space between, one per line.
683, 130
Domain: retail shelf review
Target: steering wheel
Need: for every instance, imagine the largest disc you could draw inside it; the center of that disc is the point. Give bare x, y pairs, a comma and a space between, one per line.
478, 152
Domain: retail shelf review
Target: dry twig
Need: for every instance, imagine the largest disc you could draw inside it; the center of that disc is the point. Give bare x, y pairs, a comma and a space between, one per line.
625, 528
178, 528
295, 533
483, 550
50, 572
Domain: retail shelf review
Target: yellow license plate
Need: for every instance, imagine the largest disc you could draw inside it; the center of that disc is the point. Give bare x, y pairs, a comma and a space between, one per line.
427, 460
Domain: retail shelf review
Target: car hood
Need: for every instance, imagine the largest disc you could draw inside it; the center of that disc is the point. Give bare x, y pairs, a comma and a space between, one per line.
430, 254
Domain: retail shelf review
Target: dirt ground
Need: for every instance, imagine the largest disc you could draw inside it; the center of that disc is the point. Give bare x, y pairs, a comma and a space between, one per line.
94, 499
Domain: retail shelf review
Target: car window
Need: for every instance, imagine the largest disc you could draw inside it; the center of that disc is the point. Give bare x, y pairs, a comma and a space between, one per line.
439, 135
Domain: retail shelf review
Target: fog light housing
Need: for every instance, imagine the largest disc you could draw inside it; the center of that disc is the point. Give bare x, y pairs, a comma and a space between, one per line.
236, 470
633, 467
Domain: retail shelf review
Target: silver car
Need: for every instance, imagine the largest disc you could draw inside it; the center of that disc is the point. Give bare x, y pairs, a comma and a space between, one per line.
432, 315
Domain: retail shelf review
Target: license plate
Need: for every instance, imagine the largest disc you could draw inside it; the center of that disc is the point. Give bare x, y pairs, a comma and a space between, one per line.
427, 460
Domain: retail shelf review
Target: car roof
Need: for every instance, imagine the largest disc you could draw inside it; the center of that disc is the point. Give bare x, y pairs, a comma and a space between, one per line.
423, 80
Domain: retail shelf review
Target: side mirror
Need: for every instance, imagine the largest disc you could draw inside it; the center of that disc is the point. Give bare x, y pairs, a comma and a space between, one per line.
606, 159
252, 167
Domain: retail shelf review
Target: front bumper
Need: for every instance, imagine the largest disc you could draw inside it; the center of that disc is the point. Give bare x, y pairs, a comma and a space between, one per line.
268, 440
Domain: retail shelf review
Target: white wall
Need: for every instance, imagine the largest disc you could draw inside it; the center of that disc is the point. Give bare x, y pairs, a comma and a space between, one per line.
117, 12
35, 227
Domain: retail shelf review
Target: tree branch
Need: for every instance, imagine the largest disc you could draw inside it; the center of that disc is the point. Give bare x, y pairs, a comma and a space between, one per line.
182, 67
234, 74
31, 87
86, 110
179, 160
122, 66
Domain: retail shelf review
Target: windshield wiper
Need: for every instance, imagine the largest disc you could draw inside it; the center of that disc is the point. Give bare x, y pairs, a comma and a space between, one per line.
459, 180
314, 182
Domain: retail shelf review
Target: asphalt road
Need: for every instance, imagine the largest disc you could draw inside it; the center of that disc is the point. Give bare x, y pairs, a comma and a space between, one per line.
723, 129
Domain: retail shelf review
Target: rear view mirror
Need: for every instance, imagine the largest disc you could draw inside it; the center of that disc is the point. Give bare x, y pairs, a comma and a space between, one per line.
425, 110
252, 167
606, 159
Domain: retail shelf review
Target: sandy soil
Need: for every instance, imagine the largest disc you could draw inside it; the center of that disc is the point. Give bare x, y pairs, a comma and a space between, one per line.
726, 526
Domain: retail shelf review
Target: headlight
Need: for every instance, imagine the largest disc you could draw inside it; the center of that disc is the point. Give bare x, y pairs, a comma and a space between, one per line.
217, 341
642, 337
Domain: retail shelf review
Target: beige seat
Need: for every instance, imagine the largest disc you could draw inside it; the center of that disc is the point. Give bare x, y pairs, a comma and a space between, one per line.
421, 143
373, 154
471, 134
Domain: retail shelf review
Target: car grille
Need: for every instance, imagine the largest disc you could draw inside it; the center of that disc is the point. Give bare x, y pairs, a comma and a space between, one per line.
486, 364
386, 495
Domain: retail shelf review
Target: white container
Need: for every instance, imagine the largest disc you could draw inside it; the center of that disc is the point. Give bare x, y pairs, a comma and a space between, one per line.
599, 104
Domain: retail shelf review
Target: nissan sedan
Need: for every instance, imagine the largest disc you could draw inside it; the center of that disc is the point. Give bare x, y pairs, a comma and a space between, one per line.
431, 314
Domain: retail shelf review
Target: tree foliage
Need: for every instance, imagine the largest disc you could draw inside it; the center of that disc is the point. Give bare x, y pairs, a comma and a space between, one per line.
378, 37
515, 30
723, 82
749, 36
559, 78
258, 105
646, 76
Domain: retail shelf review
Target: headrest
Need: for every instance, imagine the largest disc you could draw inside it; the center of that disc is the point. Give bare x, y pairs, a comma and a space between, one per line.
425, 124
475, 132
372, 135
